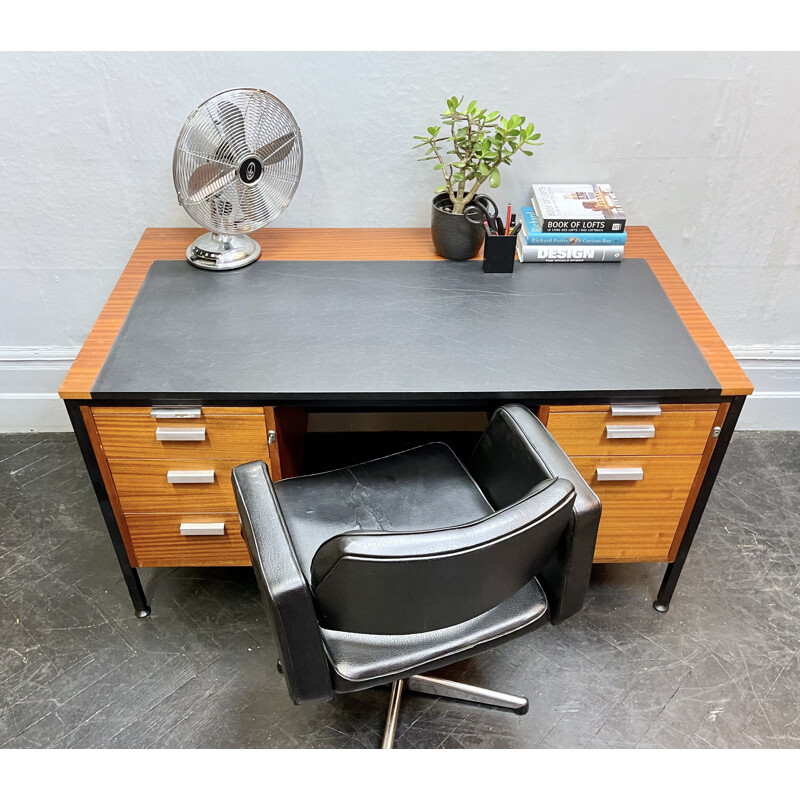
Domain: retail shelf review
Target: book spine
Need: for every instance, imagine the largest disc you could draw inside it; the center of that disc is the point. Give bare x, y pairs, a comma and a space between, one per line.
536, 237
543, 253
581, 225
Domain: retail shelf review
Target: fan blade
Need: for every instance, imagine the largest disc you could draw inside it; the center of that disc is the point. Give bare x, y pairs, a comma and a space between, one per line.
232, 122
275, 151
207, 180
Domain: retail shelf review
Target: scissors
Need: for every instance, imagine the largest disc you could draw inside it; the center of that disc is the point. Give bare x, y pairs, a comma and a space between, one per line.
481, 208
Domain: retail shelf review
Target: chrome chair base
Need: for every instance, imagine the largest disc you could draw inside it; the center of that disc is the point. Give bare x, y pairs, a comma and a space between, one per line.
427, 684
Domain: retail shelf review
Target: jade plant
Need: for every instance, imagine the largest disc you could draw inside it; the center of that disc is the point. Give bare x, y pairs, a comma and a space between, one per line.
472, 147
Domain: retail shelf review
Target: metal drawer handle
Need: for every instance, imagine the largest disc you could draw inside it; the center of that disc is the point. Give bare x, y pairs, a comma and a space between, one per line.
620, 473
181, 434
630, 431
630, 410
190, 476
175, 412
202, 528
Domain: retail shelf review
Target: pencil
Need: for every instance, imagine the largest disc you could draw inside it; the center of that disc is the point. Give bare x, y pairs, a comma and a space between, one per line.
508, 220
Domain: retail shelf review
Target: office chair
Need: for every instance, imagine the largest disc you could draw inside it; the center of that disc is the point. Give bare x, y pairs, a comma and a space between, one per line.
382, 572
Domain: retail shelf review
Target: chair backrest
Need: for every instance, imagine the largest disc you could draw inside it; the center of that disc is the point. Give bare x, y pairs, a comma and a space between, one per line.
397, 583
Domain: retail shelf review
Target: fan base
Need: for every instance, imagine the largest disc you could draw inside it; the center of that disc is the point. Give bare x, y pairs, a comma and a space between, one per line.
221, 251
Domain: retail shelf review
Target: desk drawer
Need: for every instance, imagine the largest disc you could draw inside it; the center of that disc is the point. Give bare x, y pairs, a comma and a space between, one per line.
673, 432
158, 540
169, 486
242, 436
640, 517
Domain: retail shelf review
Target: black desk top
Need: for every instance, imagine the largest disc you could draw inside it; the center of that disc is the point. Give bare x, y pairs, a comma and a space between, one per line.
402, 333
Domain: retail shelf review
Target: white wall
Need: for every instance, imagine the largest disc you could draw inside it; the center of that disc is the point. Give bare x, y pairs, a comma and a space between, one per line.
702, 147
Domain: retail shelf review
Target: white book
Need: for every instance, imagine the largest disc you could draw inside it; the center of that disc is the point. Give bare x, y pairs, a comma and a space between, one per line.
557, 252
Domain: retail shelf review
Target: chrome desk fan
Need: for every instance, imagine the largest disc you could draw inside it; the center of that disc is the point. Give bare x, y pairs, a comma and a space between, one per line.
236, 167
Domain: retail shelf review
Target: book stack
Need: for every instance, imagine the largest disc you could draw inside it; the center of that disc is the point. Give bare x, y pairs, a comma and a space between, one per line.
572, 222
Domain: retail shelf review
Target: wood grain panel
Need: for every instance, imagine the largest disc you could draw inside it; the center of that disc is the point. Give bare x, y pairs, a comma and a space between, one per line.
639, 518
125, 436
143, 489
108, 482
372, 244
698, 481
157, 541
584, 433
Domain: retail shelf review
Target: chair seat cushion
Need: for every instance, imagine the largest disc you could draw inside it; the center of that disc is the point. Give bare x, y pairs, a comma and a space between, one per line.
361, 660
416, 490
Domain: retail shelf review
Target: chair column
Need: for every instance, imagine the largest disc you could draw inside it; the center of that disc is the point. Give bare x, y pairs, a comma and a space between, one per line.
394, 713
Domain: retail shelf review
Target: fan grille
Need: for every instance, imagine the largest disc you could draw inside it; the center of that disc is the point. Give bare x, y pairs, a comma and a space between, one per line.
238, 161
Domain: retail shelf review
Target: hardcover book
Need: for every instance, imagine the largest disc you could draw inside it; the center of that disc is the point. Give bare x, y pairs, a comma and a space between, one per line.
577, 208
543, 253
533, 233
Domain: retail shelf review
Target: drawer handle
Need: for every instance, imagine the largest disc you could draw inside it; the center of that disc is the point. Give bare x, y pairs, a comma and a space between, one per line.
181, 434
630, 410
175, 412
190, 476
202, 528
620, 473
630, 431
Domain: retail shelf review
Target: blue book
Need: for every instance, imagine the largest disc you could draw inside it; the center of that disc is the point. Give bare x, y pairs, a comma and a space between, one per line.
532, 234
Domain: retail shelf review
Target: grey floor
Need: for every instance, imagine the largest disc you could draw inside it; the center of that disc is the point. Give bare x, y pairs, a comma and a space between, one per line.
77, 669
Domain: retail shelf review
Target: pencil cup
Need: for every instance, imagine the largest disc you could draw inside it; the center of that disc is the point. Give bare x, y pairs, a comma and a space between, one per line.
498, 253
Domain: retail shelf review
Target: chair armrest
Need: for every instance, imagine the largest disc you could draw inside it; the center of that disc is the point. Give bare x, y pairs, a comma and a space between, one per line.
413, 582
517, 440
286, 593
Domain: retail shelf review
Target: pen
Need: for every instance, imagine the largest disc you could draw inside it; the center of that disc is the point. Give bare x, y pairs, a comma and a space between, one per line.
488, 229
508, 220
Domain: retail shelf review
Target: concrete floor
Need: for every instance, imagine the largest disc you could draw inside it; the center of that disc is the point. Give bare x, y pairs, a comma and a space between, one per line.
78, 669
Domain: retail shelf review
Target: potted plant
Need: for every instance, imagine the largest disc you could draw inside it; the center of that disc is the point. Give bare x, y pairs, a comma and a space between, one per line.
469, 153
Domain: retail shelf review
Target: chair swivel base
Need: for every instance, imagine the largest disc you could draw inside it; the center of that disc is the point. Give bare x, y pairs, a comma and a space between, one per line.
427, 684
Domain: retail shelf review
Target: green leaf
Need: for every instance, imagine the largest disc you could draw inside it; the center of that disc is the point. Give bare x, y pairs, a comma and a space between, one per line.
493, 115
433, 131
536, 136
459, 176
440, 189
514, 132
527, 152
438, 166
494, 179
471, 107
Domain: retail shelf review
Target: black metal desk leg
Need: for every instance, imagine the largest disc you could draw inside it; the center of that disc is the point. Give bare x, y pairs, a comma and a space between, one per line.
676, 567
128, 572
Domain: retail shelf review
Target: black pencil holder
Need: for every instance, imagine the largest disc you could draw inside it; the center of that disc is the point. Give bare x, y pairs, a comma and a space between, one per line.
498, 253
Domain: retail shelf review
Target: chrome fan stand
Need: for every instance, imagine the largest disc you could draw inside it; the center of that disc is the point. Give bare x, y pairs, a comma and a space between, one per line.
222, 251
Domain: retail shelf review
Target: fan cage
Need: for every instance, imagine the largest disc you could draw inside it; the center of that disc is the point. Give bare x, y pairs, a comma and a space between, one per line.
214, 143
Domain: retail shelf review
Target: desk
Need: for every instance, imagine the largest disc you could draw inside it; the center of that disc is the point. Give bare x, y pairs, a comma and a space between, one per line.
250, 352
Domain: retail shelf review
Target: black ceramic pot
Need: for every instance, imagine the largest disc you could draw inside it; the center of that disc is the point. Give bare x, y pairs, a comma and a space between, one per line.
454, 237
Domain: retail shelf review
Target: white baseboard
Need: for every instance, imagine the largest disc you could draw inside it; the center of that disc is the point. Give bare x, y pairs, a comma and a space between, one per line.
29, 381
30, 377
775, 374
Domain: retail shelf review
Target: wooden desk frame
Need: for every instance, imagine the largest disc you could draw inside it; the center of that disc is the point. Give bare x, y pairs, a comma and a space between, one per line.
383, 244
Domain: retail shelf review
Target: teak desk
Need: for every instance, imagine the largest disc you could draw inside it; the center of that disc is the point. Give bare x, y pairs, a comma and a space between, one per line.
188, 373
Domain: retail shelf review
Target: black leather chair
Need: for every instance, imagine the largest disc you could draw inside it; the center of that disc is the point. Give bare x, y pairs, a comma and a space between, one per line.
384, 571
